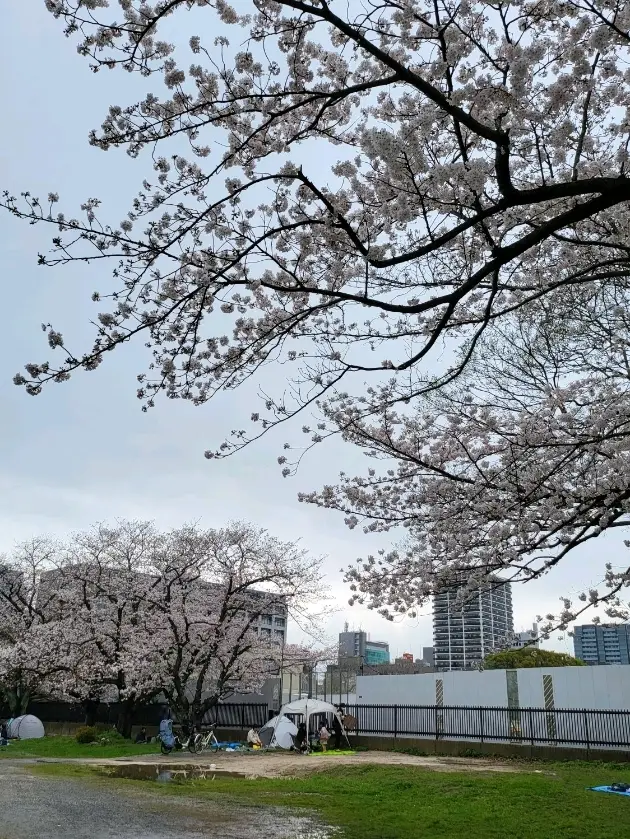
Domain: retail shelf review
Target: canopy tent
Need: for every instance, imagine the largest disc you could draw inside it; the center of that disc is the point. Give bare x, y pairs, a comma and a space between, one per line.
26, 727
278, 731
312, 707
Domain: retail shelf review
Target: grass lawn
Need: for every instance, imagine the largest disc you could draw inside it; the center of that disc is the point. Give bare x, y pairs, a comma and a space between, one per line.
68, 747
381, 802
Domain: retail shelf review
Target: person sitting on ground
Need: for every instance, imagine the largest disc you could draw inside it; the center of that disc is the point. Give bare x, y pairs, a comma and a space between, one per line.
253, 738
141, 736
324, 736
4, 734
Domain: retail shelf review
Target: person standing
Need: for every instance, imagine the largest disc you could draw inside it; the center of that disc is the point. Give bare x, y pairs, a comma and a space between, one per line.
337, 726
301, 743
324, 735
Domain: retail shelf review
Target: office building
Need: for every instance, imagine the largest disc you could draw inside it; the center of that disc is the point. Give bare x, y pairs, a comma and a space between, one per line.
428, 656
529, 638
358, 645
602, 643
464, 633
376, 652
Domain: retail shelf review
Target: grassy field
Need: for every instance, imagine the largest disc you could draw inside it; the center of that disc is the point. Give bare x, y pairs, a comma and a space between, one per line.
68, 747
381, 802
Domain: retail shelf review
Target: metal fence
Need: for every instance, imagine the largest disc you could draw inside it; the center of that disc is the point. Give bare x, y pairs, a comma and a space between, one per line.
226, 714
590, 728
237, 715
104, 713
552, 727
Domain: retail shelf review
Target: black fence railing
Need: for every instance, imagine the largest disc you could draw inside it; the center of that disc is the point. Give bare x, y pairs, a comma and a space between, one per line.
583, 727
237, 715
226, 715
104, 713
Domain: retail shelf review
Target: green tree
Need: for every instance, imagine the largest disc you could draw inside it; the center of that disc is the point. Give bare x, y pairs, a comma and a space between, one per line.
529, 657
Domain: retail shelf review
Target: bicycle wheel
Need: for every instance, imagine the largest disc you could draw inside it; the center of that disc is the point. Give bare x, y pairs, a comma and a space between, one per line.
197, 744
166, 750
214, 747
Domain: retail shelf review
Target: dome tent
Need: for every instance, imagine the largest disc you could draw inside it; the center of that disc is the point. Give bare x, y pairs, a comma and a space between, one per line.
278, 732
26, 727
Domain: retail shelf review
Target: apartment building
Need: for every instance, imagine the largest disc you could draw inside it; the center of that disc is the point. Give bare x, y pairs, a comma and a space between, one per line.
465, 633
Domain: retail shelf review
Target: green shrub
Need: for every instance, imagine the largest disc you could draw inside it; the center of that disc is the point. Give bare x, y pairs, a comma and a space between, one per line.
86, 734
112, 737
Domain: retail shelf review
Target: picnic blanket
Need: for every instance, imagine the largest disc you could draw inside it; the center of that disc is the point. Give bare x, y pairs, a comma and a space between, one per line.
612, 791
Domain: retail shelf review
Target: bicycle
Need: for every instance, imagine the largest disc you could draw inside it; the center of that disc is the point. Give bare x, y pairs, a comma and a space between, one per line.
179, 745
205, 740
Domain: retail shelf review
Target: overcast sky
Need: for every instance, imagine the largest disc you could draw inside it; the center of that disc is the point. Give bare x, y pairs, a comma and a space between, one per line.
83, 451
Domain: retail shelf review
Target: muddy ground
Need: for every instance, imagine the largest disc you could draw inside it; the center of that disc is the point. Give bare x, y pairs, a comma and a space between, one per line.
273, 765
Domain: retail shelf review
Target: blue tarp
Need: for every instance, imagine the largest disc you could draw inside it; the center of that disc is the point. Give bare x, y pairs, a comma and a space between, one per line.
612, 791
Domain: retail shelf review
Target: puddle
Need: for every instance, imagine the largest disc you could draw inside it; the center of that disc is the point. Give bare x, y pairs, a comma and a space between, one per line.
232, 822
165, 773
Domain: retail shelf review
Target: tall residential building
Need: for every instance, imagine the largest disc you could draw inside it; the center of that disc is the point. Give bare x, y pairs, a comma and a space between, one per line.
602, 643
464, 635
358, 645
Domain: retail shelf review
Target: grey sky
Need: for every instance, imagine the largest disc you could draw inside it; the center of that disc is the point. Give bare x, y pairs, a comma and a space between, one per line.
84, 451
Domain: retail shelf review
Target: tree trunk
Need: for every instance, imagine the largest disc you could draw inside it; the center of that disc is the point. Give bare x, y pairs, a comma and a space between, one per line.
202, 708
125, 719
90, 706
196, 715
18, 698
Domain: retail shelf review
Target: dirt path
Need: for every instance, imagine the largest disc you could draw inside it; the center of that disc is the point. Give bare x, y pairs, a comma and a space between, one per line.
282, 764
36, 807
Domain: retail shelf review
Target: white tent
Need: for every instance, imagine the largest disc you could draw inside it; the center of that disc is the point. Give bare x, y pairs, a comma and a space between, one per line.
27, 727
309, 707
278, 732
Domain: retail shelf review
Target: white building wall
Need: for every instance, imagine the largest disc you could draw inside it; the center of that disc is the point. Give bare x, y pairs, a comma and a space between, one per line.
460, 688
602, 688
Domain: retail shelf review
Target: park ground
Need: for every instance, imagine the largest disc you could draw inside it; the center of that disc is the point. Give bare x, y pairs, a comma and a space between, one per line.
371, 795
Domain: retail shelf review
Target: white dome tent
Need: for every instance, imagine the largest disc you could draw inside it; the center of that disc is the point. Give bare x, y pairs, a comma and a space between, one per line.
26, 727
278, 732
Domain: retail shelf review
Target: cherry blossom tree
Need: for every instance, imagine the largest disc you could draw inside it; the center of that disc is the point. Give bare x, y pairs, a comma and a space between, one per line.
29, 648
128, 615
213, 589
377, 197
510, 470
109, 649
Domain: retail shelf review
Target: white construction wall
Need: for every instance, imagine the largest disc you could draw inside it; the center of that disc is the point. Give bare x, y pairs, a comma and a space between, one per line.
606, 687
